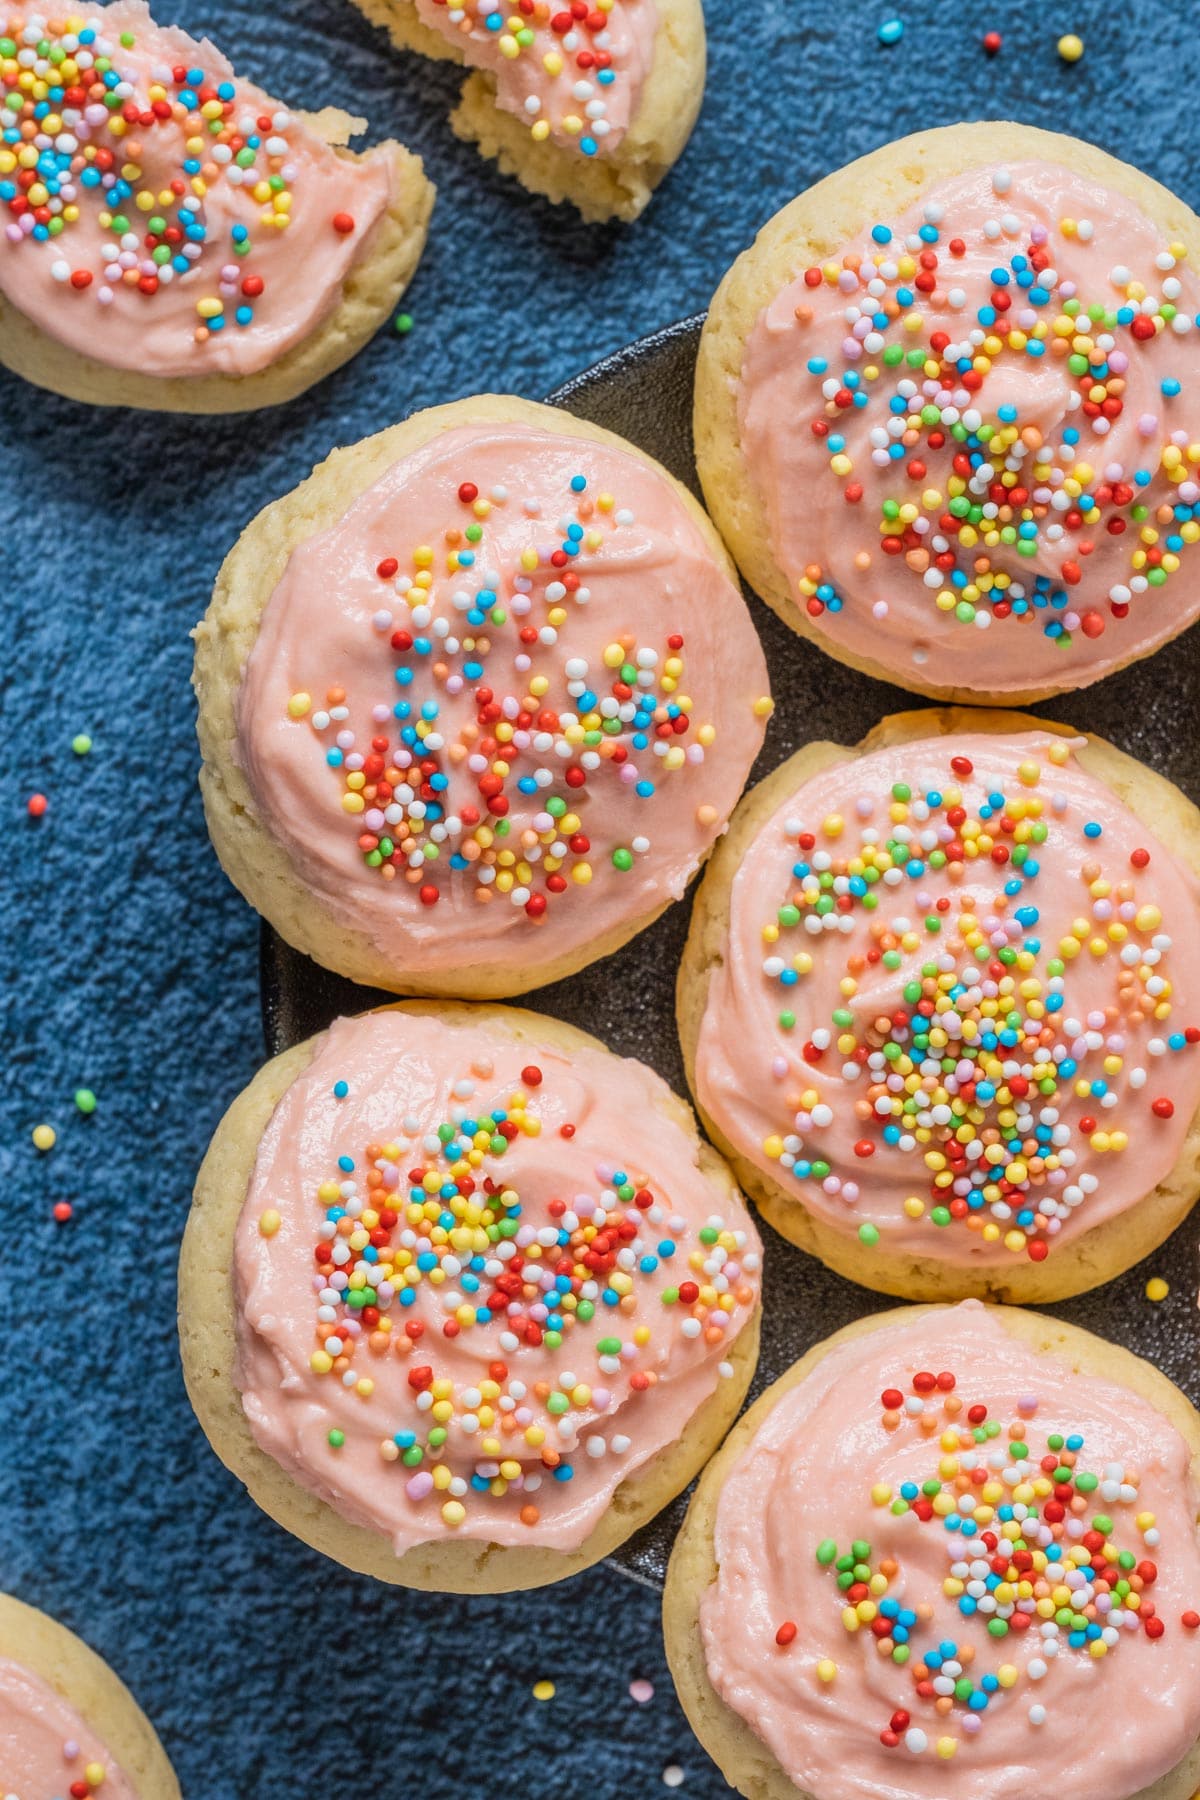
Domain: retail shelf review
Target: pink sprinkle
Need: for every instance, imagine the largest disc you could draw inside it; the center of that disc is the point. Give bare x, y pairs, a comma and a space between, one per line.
641, 1691
417, 1486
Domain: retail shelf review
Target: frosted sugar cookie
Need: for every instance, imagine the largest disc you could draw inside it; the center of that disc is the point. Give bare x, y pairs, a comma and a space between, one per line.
464, 1299
475, 701
939, 1003
68, 1725
171, 237
953, 1552
943, 413
590, 101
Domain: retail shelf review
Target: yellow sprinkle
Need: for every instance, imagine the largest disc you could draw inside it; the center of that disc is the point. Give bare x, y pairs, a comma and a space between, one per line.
826, 1670
454, 1512
1157, 1289
44, 1137
270, 1222
544, 1690
94, 1774
1070, 47
298, 705
764, 706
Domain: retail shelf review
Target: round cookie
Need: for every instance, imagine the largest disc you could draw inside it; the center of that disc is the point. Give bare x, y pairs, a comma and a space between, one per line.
56, 1694
581, 697
655, 1325
516, 109
929, 1189
794, 1705
1012, 513
217, 307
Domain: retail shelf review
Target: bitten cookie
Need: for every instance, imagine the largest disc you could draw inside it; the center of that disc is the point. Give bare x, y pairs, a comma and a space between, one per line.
944, 413
476, 700
67, 1724
463, 1298
172, 238
590, 103
952, 1553
940, 1005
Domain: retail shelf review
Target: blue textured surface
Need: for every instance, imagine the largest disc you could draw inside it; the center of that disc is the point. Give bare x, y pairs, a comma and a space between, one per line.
130, 965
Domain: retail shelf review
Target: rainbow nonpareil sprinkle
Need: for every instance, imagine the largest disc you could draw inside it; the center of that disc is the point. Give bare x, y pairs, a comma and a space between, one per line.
571, 42
427, 1237
1039, 1544
481, 732
955, 1045
962, 478
81, 138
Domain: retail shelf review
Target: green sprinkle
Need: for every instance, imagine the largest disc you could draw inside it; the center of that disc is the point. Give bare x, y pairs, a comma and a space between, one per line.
869, 1235
337, 1438
403, 323
85, 1100
826, 1552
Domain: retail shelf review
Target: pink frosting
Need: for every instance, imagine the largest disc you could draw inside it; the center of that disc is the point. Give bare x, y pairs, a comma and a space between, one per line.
1069, 1722
823, 1088
579, 79
45, 1745
100, 290
646, 587
626, 1377
892, 589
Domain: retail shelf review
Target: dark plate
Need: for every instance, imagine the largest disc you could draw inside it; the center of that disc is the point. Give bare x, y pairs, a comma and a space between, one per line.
645, 393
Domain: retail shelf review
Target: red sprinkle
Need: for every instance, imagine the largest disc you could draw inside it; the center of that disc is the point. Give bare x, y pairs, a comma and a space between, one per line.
992, 42
1163, 1108
343, 223
36, 805
786, 1633
63, 1210
531, 1076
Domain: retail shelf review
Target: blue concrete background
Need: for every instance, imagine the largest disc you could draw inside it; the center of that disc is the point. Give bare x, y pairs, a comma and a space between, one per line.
130, 965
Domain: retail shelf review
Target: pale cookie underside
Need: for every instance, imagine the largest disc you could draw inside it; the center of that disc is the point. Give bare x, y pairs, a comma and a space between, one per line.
253, 859
374, 284
97, 1694
601, 187
738, 1752
207, 1329
818, 225
1099, 1254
